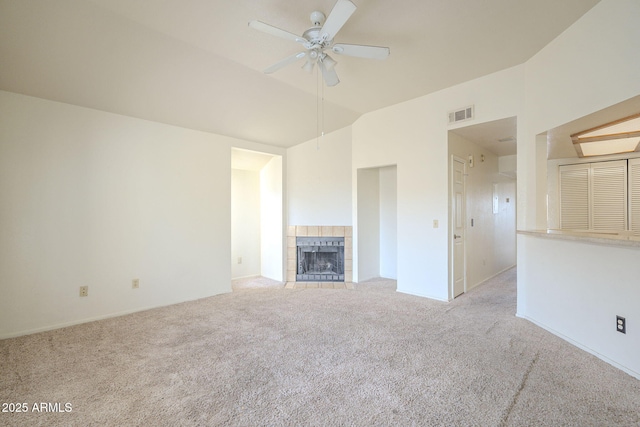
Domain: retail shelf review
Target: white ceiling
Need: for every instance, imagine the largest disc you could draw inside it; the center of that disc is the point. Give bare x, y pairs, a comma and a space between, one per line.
196, 63
249, 160
498, 137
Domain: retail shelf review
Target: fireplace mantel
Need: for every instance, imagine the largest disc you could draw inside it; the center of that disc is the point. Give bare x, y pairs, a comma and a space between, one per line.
294, 231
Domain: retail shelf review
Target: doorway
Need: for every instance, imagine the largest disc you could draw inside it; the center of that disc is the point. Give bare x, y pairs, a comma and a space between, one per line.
256, 215
482, 203
377, 223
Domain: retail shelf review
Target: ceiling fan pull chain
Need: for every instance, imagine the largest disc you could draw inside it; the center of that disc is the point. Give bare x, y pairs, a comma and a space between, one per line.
322, 108
317, 108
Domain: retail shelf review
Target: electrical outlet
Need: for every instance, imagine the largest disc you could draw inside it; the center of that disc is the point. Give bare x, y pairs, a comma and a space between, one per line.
135, 283
84, 291
621, 324
239, 260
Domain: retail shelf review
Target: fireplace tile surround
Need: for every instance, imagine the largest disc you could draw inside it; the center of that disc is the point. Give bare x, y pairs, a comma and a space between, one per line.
294, 231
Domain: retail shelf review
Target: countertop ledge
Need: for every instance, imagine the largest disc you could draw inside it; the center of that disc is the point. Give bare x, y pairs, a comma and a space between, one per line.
600, 238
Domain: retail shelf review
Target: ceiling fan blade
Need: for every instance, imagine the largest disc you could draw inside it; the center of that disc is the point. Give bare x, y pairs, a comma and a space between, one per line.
275, 31
286, 61
361, 51
339, 15
329, 75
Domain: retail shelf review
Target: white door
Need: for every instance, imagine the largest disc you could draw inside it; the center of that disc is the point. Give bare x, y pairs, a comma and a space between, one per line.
458, 269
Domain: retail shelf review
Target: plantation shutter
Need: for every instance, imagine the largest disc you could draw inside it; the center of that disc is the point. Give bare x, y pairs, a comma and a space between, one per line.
634, 196
574, 197
609, 196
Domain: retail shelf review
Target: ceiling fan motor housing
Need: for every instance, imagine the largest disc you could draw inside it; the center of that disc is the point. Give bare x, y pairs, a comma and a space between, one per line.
317, 18
316, 40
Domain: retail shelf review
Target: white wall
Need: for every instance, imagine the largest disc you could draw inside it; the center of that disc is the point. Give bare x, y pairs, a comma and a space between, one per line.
508, 164
319, 181
369, 223
504, 236
413, 136
576, 289
563, 84
271, 222
561, 87
245, 223
490, 243
541, 171
388, 222
98, 199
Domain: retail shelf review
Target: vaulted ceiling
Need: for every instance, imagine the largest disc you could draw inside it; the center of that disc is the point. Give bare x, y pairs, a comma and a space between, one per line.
197, 64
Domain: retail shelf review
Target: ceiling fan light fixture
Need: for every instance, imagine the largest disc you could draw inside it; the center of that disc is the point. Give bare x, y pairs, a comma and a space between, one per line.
308, 66
328, 61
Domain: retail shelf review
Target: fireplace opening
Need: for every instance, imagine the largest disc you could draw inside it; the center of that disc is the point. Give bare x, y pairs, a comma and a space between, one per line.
320, 259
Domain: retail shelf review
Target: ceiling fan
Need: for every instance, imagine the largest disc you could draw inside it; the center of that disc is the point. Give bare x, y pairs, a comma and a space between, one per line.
319, 38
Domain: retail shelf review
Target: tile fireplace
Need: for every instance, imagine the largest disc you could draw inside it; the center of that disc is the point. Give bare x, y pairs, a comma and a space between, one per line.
319, 256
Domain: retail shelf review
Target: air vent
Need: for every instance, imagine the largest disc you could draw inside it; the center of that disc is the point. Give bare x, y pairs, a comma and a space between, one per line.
461, 115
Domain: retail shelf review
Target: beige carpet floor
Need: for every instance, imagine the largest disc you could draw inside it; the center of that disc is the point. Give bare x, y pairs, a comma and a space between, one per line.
317, 357
257, 282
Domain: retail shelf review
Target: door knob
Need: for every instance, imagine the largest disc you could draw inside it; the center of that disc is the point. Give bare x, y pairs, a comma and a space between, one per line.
455, 236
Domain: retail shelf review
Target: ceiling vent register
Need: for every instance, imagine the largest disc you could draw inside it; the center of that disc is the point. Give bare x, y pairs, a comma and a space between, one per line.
461, 115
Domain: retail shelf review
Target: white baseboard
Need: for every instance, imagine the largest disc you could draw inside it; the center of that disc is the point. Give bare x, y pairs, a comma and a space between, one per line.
491, 277
86, 320
582, 347
415, 294
251, 276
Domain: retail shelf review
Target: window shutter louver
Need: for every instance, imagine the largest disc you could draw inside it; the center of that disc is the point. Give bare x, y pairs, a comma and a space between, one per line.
634, 196
609, 196
574, 197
